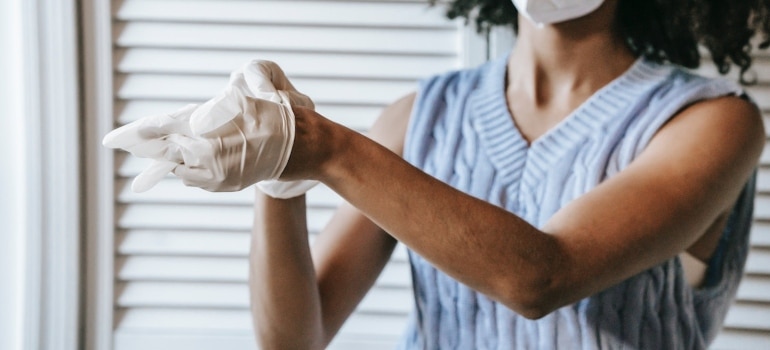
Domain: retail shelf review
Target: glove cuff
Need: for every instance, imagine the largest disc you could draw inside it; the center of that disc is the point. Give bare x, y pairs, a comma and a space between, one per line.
285, 189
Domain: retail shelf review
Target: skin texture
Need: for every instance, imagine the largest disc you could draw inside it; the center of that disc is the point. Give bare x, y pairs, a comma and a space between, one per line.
671, 199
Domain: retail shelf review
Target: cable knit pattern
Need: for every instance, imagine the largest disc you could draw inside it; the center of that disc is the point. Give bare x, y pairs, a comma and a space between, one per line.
462, 133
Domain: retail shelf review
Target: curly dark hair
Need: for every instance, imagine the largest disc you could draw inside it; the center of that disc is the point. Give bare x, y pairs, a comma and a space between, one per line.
663, 30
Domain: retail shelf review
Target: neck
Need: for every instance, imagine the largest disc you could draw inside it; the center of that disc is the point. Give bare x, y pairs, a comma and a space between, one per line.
568, 58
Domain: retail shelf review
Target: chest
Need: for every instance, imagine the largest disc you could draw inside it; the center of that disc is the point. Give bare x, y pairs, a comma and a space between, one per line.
535, 116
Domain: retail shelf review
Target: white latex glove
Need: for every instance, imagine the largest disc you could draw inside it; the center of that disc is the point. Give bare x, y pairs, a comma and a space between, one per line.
242, 136
266, 80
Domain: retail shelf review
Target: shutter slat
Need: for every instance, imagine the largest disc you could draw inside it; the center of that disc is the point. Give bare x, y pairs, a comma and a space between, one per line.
762, 207
132, 340
438, 42
195, 320
202, 243
760, 235
763, 180
335, 65
745, 315
182, 243
221, 269
758, 262
200, 217
740, 339
171, 191
185, 320
202, 88
235, 296
216, 340
357, 117
755, 288
414, 14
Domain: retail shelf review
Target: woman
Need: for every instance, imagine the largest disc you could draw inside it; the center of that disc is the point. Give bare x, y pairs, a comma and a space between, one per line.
608, 164
548, 198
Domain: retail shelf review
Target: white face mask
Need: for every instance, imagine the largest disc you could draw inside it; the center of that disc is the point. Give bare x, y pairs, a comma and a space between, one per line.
553, 11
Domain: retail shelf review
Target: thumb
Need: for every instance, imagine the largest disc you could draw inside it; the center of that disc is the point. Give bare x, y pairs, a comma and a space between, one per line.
296, 99
258, 74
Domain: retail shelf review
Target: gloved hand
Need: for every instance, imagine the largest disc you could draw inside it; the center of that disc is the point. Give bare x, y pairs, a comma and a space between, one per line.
242, 136
265, 82
149, 138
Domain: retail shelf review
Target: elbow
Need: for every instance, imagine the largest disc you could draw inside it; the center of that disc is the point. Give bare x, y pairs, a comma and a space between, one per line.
535, 296
533, 301
536, 311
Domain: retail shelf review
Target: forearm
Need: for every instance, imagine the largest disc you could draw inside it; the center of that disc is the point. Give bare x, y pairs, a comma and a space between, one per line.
481, 245
284, 293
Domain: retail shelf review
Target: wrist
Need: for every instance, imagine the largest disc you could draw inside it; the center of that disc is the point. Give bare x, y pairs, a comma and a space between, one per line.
340, 148
319, 146
279, 215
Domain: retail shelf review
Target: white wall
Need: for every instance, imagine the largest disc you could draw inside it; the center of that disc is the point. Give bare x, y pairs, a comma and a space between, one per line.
11, 176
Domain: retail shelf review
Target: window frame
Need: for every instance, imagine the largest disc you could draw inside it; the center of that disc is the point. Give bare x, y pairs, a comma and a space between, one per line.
96, 51
50, 237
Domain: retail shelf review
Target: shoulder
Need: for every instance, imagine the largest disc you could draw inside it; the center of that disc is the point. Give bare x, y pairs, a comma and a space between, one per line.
433, 93
717, 107
389, 129
678, 95
728, 125
682, 83
451, 81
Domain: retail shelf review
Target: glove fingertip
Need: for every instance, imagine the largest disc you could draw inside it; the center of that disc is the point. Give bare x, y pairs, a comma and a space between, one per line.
109, 140
116, 138
140, 186
152, 176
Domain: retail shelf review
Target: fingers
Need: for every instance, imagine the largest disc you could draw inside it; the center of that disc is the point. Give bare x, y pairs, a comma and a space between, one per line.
175, 150
276, 75
259, 75
297, 99
150, 177
149, 129
261, 72
123, 137
195, 177
265, 78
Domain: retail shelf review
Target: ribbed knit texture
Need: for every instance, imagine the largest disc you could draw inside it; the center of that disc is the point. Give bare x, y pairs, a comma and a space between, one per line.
462, 133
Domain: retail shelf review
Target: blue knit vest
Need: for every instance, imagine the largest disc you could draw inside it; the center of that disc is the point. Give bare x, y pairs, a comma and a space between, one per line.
462, 133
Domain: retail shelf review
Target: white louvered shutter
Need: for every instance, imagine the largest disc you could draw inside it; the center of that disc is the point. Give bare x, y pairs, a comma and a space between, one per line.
748, 322
181, 253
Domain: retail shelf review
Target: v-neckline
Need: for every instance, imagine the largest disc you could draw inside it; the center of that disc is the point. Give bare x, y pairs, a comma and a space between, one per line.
511, 153
574, 114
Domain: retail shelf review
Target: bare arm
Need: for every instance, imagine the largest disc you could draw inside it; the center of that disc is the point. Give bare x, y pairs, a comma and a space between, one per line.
301, 299
284, 296
691, 173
